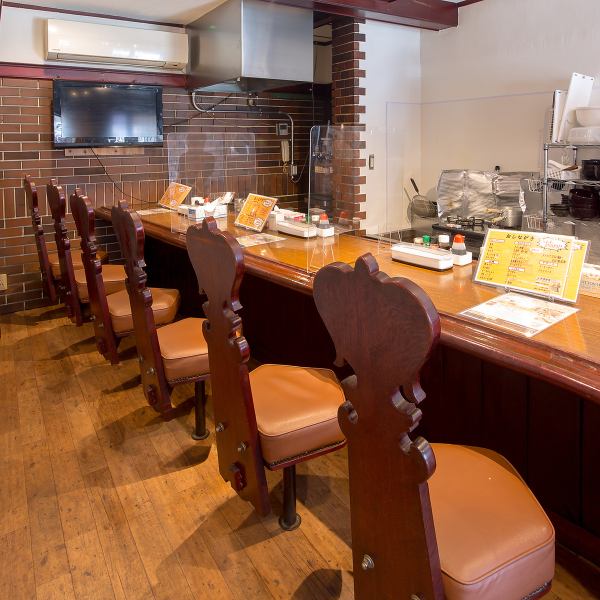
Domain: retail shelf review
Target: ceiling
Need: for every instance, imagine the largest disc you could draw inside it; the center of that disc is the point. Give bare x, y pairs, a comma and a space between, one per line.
179, 11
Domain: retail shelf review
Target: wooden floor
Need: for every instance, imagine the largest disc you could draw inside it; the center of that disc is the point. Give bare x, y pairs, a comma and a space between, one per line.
99, 498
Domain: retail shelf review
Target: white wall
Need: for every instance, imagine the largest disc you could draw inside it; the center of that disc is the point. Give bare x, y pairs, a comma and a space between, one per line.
487, 84
23, 38
393, 107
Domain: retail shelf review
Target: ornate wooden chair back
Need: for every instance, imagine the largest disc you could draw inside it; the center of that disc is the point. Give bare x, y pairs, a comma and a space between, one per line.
218, 261
31, 196
385, 329
130, 233
83, 213
58, 204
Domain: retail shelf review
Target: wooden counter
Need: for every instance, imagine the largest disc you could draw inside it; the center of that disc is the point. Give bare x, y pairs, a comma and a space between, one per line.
567, 354
536, 401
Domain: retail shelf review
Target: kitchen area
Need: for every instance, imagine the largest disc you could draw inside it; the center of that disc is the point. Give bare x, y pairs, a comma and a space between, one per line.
454, 143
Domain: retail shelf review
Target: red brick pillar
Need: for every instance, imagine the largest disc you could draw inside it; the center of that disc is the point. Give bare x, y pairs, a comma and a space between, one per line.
347, 57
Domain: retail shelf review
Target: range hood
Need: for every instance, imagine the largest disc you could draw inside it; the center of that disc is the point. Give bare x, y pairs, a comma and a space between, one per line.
250, 46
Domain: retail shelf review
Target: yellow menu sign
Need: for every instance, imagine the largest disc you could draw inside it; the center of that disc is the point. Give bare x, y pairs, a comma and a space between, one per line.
529, 261
174, 195
255, 212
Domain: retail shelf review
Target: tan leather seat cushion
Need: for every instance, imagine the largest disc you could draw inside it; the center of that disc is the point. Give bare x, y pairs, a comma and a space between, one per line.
113, 276
296, 410
494, 539
165, 303
183, 349
75, 258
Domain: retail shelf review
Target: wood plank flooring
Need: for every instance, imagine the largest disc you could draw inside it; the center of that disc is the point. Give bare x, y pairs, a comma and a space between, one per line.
102, 499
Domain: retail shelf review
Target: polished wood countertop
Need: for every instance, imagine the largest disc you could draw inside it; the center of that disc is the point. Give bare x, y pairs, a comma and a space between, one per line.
566, 354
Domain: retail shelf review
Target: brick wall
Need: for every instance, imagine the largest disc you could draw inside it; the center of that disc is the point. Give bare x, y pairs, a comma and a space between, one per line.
347, 62
25, 127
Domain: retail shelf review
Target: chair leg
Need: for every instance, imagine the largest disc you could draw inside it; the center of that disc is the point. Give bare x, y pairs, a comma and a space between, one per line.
290, 519
200, 431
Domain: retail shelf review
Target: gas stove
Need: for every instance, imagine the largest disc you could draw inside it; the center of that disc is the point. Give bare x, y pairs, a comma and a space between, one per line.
457, 222
473, 228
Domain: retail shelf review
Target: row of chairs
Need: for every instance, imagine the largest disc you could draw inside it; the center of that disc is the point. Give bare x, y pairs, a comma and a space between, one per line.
470, 529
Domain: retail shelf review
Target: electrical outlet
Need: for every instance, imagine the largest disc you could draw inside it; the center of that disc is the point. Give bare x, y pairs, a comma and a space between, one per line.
3, 281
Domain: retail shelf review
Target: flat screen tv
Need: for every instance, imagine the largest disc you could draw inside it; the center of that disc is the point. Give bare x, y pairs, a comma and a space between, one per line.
103, 114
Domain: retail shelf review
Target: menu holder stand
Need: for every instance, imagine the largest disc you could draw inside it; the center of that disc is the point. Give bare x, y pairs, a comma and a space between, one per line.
255, 212
539, 273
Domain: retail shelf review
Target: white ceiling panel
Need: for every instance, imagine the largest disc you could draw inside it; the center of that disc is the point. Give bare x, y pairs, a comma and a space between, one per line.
179, 11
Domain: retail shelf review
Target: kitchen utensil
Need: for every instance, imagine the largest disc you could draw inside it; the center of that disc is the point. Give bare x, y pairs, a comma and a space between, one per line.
420, 205
512, 217
583, 213
579, 94
580, 194
584, 135
507, 216
560, 210
588, 116
558, 106
590, 169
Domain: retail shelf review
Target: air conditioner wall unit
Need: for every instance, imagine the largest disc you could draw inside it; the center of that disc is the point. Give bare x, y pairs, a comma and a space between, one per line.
81, 42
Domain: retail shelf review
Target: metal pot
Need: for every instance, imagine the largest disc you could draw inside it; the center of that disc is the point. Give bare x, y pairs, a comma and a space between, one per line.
512, 217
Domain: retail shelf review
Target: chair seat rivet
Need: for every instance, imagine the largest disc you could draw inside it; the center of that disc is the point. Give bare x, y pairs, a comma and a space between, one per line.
242, 447
368, 563
219, 427
150, 371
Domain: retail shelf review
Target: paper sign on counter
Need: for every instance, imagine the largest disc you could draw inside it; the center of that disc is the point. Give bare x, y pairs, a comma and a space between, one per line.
174, 195
247, 241
255, 212
519, 313
534, 262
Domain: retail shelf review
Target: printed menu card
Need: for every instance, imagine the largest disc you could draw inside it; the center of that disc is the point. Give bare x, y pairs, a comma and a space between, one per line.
535, 262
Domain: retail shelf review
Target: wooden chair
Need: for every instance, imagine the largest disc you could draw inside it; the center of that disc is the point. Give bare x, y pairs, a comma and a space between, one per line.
277, 415
48, 281
175, 353
68, 286
95, 282
468, 529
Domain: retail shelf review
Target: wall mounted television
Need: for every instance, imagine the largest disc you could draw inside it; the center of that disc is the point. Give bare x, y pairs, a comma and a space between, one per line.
103, 114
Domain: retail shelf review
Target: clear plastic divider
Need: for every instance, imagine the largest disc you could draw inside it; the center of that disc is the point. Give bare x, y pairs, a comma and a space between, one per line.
212, 165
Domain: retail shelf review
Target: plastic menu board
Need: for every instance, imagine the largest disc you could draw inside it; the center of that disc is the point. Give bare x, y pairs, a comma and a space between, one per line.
174, 195
539, 263
255, 212
580, 249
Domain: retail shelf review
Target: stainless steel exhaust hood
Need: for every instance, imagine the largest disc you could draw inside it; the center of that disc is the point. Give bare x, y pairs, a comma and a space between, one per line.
251, 46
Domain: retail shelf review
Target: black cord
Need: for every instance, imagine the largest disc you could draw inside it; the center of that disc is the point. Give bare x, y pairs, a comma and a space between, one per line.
113, 181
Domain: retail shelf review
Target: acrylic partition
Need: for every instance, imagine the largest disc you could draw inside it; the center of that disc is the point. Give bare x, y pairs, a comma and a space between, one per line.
211, 164
336, 152
400, 212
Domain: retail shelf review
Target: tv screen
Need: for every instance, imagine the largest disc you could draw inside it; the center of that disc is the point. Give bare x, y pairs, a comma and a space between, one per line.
101, 114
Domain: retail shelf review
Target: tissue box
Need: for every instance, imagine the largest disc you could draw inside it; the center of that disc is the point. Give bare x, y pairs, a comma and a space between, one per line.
197, 212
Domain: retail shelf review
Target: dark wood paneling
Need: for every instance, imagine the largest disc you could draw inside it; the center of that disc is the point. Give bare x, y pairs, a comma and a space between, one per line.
467, 2
590, 465
504, 423
283, 326
170, 267
554, 449
19, 71
433, 14
453, 407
